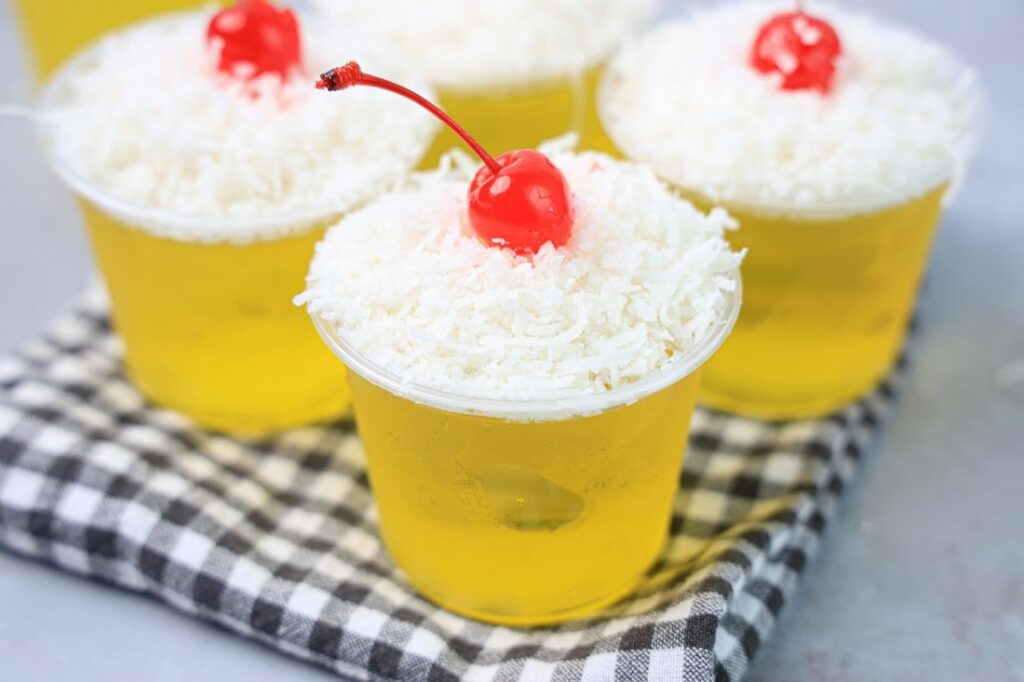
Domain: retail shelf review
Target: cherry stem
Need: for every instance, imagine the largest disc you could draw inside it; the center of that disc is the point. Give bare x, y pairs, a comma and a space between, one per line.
351, 74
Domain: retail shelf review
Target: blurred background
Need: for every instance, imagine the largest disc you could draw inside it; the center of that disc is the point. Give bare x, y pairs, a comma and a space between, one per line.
922, 576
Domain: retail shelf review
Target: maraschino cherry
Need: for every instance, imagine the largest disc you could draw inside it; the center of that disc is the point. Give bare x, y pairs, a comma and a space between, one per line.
802, 48
255, 38
518, 200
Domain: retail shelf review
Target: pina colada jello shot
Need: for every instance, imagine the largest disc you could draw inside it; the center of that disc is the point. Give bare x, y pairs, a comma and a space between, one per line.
524, 348
56, 29
207, 169
834, 140
515, 73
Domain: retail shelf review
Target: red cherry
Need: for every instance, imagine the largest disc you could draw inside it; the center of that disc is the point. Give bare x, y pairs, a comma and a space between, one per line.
802, 48
255, 38
524, 205
519, 201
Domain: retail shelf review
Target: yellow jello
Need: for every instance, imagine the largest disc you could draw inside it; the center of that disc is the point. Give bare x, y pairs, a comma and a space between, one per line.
522, 117
210, 330
524, 522
826, 310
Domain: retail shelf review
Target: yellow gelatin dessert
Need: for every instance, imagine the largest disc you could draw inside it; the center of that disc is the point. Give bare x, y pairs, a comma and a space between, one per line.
204, 195
838, 187
210, 329
56, 29
525, 416
524, 522
513, 73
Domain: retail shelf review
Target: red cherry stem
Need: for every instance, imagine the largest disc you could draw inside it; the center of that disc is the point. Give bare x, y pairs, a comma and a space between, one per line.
342, 77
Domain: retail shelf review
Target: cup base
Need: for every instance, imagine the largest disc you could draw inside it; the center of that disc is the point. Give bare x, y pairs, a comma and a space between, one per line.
536, 620
759, 408
250, 425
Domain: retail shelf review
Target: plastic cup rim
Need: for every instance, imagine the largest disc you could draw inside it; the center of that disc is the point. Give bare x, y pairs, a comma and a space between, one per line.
543, 409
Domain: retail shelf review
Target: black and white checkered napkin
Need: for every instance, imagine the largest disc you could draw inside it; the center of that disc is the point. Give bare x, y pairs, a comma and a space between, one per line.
277, 539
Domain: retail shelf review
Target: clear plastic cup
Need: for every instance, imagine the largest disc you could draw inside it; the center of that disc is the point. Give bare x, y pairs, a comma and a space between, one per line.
525, 512
208, 327
828, 302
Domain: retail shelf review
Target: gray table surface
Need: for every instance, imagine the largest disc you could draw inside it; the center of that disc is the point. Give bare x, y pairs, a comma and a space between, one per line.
920, 578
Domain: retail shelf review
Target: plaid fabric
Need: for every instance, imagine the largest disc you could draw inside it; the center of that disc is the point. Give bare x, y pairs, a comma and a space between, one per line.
277, 539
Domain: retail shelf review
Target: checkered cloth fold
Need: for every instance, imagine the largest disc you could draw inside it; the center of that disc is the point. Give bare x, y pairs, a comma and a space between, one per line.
277, 539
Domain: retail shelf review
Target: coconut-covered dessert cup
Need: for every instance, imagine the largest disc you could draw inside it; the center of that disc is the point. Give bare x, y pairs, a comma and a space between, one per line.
207, 168
525, 416
514, 73
834, 140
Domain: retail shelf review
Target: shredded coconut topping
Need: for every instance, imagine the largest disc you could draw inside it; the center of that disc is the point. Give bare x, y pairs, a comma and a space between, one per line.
144, 124
901, 119
469, 45
644, 279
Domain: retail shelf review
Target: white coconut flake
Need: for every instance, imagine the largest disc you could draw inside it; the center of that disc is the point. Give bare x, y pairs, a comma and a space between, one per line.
643, 280
900, 121
145, 125
471, 45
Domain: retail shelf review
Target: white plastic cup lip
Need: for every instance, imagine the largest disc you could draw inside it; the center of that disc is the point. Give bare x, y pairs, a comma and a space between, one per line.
190, 227
550, 409
825, 212
830, 212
